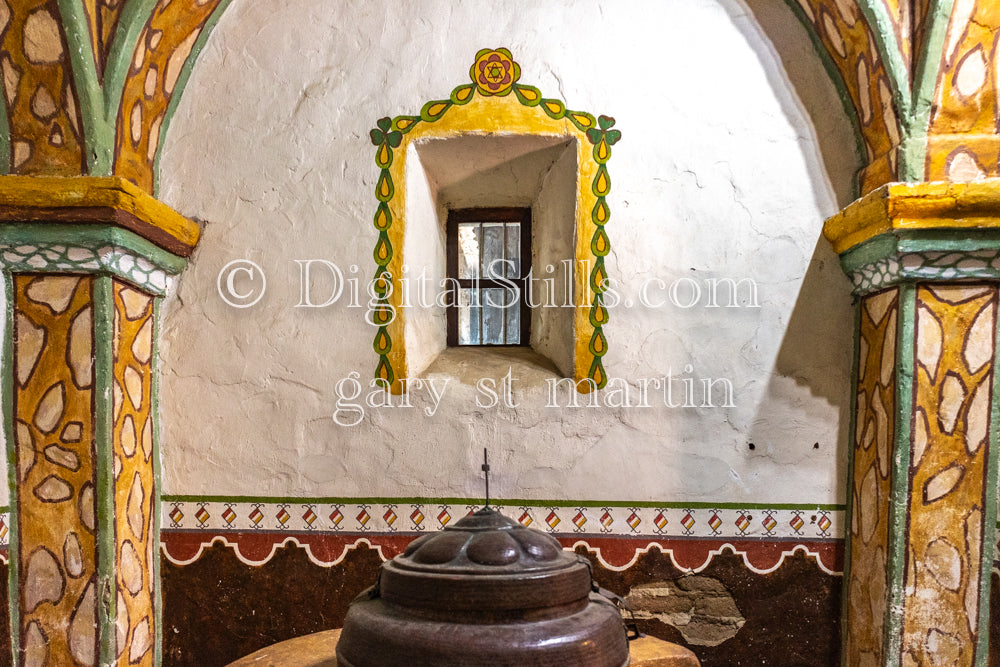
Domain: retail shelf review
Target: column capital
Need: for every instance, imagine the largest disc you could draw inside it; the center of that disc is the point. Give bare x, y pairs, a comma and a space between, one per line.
919, 231
92, 224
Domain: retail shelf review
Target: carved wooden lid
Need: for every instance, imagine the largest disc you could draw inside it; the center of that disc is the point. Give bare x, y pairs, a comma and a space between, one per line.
485, 561
485, 591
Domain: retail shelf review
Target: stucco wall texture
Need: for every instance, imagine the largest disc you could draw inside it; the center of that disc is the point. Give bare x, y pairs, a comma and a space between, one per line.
728, 165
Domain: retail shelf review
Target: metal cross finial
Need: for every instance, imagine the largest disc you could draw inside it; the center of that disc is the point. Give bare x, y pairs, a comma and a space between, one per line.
486, 469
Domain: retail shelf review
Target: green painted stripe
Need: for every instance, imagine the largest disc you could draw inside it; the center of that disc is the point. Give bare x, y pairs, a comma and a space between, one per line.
182, 80
98, 133
948, 240
7, 382
761, 539
870, 251
899, 493
91, 236
928, 68
881, 24
989, 539
892, 244
851, 427
134, 17
843, 92
104, 465
5, 155
154, 529
912, 151
510, 502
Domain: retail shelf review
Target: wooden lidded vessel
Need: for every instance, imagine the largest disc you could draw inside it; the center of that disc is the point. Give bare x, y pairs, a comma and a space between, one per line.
484, 591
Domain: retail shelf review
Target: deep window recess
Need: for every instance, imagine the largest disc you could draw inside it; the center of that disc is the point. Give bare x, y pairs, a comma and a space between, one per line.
489, 259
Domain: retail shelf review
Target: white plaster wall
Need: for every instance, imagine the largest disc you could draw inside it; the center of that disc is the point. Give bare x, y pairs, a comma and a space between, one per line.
718, 175
553, 229
425, 320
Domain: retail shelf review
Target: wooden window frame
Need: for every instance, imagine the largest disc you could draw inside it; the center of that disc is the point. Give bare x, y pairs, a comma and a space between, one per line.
493, 214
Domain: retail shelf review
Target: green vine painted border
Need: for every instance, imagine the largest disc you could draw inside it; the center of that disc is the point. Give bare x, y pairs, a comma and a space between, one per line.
494, 73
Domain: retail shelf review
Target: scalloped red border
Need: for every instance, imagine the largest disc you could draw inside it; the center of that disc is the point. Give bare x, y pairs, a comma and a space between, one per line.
616, 553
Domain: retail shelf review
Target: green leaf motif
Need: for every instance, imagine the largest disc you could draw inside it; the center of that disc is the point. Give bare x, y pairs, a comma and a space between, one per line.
529, 96
597, 373
463, 94
581, 119
554, 109
599, 277
383, 343
434, 109
602, 182
601, 213
405, 123
384, 370
384, 189
600, 245
383, 217
383, 250
598, 343
598, 313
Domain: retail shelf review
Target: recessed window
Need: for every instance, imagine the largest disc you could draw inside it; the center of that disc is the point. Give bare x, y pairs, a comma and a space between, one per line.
489, 261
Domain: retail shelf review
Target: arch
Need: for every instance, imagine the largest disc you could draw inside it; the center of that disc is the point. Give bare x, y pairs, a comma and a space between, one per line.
495, 103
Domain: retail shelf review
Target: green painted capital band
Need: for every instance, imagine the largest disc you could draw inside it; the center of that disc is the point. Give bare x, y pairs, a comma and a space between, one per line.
50, 247
925, 255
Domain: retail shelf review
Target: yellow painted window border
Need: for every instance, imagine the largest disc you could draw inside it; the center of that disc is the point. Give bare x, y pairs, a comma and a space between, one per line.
495, 103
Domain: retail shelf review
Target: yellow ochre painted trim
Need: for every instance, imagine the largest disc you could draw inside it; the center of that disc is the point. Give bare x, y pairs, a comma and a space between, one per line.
52, 192
906, 206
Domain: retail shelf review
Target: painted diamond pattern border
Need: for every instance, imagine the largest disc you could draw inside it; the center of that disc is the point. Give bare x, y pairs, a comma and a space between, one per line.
598, 519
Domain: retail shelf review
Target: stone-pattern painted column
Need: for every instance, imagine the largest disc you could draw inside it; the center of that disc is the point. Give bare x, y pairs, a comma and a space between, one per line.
76, 495
925, 262
80, 425
54, 512
872, 452
948, 473
135, 478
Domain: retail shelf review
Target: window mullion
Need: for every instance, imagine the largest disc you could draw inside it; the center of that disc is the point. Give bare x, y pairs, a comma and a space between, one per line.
479, 289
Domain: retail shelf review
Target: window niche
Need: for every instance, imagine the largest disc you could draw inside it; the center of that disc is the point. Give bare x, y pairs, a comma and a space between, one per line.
445, 178
494, 142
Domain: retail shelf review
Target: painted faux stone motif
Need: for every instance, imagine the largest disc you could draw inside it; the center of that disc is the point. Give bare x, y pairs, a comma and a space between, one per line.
53, 394
872, 445
495, 72
953, 374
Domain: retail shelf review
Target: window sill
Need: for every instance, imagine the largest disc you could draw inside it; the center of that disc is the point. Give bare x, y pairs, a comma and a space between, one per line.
469, 364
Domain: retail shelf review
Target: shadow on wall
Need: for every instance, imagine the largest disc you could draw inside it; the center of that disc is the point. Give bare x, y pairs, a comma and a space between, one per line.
816, 350
791, 66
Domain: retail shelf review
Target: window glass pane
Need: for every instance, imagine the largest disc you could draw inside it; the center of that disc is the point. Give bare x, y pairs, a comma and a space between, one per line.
493, 315
468, 250
514, 249
513, 316
468, 318
492, 250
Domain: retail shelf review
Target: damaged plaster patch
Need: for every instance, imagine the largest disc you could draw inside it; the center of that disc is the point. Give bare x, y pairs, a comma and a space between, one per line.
699, 607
